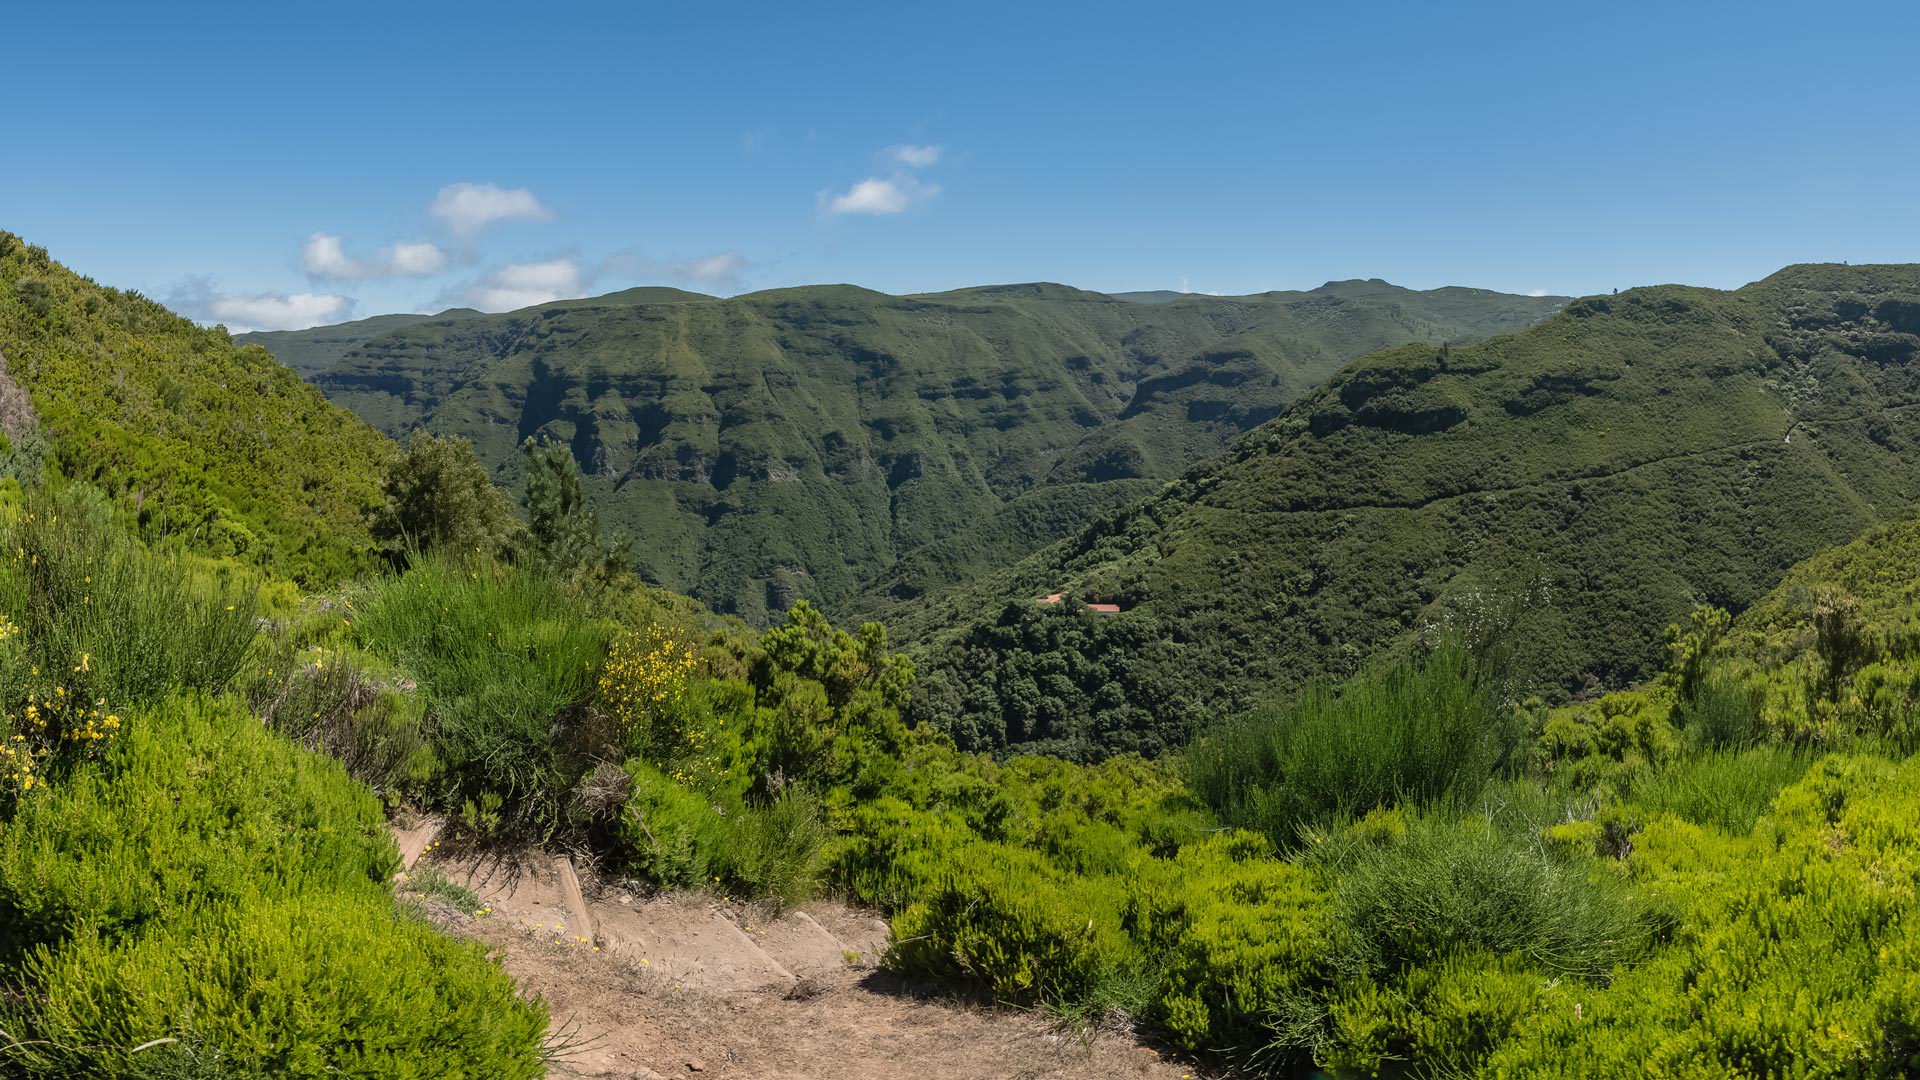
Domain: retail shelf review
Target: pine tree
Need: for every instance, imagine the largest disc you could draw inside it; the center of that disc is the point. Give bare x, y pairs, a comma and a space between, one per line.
565, 532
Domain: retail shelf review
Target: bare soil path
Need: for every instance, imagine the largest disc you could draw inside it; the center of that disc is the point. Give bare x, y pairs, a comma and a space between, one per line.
690, 985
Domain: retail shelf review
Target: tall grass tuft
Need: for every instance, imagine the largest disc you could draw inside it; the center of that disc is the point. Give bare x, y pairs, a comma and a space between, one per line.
505, 657
1723, 712
778, 851
1726, 789
1445, 888
327, 703
1421, 732
140, 624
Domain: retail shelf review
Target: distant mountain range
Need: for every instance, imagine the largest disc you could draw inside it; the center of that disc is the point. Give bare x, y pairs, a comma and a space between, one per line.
811, 442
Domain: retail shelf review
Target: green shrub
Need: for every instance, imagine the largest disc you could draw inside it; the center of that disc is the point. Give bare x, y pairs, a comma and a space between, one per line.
1439, 1019
1442, 888
440, 498
1420, 732
1237, 934
505, 659
320, 984
206, 880
1627, 727
190, 806
1727, 789
669, 834
779, 850
1006, 919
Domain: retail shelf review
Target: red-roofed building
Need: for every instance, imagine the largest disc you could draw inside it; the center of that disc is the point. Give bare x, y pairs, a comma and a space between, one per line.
1097, 609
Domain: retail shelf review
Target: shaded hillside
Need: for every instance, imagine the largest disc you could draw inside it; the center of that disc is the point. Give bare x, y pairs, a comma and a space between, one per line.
211, 442
796, 442
1580, 484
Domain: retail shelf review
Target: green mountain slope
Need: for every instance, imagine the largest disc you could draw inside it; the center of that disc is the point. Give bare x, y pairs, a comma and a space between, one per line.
310, 352
1585, 481
797, 442
211, 442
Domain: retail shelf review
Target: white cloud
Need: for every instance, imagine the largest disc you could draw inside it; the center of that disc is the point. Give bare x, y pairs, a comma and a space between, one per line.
419, 258
914, 157
1538, 292
519, 285
877, 195
196, 298
324, 255
468, 209
720, 271
278, 311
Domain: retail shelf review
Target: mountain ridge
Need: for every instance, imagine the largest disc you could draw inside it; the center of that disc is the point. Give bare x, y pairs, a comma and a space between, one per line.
799, 442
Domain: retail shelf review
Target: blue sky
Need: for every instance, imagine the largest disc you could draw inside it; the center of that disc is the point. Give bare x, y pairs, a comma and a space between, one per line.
272, 165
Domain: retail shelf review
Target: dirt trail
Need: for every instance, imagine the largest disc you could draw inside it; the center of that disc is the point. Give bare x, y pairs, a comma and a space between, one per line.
689, 985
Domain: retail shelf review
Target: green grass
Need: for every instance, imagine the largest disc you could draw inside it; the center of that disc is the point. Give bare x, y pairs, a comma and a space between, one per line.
1725, 789
504, 657
141, 624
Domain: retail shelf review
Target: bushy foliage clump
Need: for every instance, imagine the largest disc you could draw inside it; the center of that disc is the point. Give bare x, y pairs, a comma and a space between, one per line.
504, 657
1418, 732
440, 498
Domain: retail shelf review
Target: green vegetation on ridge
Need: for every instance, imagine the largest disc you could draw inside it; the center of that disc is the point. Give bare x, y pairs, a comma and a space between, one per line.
215, 444
1597, 475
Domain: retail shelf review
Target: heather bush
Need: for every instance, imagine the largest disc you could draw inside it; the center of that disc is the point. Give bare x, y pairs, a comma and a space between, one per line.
1237, 936
670, 834
1006, 919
